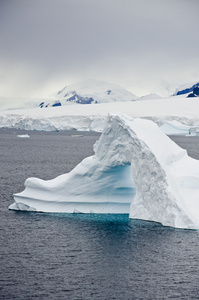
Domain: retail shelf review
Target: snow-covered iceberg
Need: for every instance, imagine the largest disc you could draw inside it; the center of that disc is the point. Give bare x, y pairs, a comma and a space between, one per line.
136, 168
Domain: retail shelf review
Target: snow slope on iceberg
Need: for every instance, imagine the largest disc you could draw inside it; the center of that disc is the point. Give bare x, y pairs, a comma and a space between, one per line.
131, 155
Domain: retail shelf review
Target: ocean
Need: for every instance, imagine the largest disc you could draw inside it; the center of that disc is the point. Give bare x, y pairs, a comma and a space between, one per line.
84, 256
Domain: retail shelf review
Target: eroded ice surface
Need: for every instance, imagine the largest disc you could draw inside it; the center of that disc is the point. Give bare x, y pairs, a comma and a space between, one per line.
131, 155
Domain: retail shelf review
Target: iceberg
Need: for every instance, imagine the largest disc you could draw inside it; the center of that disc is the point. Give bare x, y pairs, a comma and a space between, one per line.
136, 169
176, 128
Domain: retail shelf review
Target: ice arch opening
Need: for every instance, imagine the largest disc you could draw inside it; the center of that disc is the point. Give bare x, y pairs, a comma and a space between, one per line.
136, 169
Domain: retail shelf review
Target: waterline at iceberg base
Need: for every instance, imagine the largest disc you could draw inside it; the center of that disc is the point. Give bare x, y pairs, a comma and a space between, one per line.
136, 169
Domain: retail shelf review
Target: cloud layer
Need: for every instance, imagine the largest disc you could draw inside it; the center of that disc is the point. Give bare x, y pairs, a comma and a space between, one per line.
139, 44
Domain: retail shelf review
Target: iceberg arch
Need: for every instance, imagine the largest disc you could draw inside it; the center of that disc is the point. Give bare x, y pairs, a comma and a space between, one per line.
136, 169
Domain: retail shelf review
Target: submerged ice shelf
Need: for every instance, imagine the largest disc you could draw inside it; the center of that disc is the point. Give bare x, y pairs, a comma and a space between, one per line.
136, 169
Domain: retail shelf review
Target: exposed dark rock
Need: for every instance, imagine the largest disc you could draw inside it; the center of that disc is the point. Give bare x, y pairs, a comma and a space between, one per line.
56, 104
80, 100
188, 90
196, 91
191, 95
85, 100
41, 104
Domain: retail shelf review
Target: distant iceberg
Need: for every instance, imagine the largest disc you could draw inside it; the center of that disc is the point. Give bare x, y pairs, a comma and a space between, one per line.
136, 169
176, 128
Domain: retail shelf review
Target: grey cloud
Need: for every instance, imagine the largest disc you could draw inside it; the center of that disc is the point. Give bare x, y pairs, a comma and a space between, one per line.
123, 41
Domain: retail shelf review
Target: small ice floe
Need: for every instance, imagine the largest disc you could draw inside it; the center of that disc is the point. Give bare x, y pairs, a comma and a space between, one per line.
23, 136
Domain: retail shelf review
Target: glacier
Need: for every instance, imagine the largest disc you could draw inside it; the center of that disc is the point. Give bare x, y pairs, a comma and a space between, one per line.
136, 169
93, 117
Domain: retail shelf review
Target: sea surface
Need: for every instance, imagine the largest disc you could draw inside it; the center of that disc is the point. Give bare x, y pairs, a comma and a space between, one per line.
77, 256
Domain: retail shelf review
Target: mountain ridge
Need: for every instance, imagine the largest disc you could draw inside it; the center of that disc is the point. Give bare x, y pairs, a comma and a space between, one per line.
89, 91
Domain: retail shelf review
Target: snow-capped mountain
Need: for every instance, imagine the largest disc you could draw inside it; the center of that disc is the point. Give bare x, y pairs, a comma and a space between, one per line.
90, 91
190, 90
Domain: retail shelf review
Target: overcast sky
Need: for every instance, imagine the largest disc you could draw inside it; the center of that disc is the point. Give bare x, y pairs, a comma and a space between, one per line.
139, 44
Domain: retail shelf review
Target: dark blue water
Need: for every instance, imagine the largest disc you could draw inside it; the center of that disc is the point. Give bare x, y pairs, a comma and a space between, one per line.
62, 256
